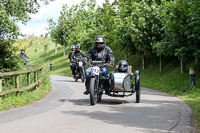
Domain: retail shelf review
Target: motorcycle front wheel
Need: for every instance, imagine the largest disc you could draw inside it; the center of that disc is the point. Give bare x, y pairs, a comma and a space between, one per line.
76, 75
83, 75
93, 91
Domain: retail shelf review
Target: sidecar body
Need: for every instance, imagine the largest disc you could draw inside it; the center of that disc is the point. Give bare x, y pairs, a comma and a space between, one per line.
122, 84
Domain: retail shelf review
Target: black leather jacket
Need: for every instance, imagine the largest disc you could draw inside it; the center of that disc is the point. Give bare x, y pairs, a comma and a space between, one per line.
77, 55
70, 55
23, 55
103, 55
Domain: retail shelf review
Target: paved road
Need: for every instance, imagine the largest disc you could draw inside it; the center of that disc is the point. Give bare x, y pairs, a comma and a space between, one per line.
67, 110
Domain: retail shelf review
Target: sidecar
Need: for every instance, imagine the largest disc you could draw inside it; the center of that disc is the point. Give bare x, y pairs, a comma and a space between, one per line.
122, 85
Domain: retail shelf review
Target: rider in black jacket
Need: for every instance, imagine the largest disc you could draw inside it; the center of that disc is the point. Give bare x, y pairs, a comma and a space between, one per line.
23, 55
99, 52
73, 49
78, 54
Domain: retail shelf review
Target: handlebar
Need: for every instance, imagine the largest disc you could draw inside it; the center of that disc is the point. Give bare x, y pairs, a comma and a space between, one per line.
26, 59
78, 59
100, 65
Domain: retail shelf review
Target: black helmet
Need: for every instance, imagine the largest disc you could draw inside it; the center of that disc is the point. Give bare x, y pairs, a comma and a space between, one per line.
78, 46
22, 49
100, 40
122, 66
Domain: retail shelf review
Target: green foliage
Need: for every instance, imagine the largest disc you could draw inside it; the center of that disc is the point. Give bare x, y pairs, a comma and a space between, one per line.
181, 29
140, 26
11, 13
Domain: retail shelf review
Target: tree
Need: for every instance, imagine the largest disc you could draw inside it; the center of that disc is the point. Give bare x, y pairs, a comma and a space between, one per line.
181, 28
145, 27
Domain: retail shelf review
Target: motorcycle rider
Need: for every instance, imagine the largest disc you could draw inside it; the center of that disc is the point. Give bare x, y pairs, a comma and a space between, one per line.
73, 49
99, 52
23, 55
78, 54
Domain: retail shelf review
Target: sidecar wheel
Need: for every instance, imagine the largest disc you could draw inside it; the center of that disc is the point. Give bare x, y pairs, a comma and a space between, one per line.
137, 90
138, 96
137, 86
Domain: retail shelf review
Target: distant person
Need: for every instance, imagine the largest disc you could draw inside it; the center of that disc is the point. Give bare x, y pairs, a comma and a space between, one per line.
23, 55
73, 49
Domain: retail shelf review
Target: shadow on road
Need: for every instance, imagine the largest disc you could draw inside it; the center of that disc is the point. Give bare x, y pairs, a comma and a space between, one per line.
86, 102
113, 101
141, 117
73, 81
154, 115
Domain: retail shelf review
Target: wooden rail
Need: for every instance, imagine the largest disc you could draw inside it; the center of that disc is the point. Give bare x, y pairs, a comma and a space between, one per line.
16, 74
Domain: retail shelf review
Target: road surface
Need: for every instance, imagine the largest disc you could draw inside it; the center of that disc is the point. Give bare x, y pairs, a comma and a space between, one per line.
66, 110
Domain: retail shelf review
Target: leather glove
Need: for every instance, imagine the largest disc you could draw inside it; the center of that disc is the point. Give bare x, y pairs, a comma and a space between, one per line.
111, 63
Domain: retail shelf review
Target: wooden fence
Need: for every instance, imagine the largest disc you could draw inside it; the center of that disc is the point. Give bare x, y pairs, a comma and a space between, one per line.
16, 74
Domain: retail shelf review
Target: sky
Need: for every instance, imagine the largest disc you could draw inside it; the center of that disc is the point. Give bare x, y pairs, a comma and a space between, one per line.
38, 23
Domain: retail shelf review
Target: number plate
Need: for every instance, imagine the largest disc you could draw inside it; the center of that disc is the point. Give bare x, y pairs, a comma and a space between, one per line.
95, 70
80, 63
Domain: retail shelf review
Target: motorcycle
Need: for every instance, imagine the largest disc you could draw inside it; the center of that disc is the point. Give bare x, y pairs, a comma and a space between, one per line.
120, 83
25, 61
79, 70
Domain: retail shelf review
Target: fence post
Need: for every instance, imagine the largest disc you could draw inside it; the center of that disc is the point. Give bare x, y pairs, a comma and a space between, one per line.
17, 81
0, 85
39, 77
28, 78
192, 77
51, 65
35, 78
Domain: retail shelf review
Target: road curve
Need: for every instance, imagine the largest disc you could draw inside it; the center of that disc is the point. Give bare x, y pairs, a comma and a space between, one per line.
66, 110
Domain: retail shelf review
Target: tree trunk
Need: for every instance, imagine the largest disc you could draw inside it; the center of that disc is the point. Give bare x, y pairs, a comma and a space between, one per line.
64, 50
160, 63
126, 56
44, 49
143, 61
56, 49
181, 63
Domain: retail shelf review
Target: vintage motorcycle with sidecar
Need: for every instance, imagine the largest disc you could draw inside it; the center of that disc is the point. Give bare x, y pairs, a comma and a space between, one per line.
120, 82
